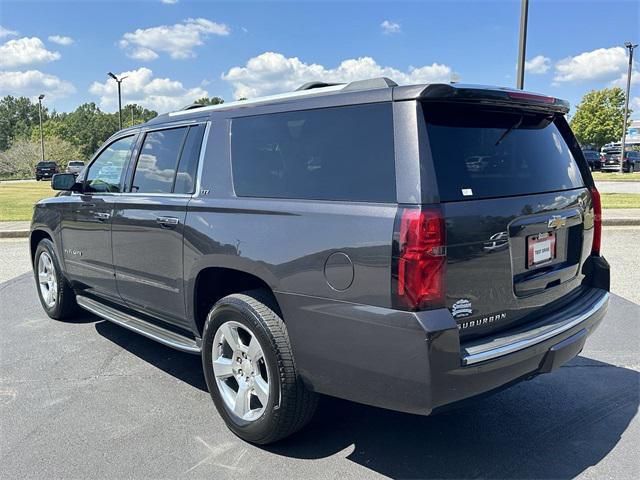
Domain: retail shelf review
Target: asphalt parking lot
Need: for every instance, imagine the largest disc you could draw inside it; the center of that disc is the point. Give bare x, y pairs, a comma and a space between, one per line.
90, 399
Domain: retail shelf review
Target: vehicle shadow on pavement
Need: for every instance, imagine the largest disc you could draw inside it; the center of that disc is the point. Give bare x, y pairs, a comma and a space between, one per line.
554, 426
183, 366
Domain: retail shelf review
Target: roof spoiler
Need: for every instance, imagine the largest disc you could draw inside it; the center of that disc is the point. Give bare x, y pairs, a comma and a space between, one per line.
491, 96
369, 83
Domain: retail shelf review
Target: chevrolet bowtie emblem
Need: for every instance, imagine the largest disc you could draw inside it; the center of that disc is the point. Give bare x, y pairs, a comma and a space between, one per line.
556, 222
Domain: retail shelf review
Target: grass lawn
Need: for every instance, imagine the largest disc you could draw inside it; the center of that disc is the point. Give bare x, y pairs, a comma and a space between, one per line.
17, 198
620, 200
616, 177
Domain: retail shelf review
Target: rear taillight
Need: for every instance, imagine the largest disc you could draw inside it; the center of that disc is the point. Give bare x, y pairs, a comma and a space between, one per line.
597, 221
419, 258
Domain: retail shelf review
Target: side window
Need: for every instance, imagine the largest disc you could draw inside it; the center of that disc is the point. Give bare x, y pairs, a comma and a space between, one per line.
106, 171
188, 165
157, 162
338, 153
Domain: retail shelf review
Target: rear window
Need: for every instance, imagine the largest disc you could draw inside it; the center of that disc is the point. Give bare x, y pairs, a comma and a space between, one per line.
483, 153
47, 164
76, 164
342, 153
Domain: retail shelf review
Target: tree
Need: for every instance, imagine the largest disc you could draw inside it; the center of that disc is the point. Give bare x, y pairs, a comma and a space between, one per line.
133, 114
209, 101
17, 117
21, 158
598, 117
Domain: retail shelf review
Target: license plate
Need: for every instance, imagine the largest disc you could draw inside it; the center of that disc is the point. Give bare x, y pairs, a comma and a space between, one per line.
541, 249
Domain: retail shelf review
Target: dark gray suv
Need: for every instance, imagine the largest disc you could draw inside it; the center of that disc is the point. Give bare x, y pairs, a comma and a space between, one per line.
404, 247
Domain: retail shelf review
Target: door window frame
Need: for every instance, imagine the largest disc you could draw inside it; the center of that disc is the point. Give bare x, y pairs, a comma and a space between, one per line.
133, 162
88, 167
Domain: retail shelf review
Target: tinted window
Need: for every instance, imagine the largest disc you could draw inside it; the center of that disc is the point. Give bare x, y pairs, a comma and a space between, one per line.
76, 164
106, 170
481, 153
186, 177
343, 153
156, 167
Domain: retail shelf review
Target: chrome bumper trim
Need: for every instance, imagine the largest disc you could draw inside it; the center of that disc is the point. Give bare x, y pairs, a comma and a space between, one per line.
492, 353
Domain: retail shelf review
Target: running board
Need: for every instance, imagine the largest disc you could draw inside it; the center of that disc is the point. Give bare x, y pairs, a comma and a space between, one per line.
135, 324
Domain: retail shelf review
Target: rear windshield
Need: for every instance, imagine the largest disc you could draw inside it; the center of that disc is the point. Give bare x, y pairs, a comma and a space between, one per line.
47, 164
76, 164
483, 153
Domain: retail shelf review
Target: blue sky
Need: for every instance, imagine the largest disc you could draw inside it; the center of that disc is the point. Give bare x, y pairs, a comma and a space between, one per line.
175, 51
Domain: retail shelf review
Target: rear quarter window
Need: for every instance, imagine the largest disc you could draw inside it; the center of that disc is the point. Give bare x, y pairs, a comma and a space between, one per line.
482, 153
341, 153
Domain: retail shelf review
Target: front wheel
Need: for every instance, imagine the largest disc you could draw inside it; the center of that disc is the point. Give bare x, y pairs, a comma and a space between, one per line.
250, 371
56, 295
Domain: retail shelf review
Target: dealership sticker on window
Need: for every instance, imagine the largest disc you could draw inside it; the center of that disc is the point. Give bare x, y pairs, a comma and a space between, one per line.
467, 192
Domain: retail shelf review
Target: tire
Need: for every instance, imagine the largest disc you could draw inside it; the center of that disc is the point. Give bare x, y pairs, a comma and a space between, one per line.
61, 305
289, 405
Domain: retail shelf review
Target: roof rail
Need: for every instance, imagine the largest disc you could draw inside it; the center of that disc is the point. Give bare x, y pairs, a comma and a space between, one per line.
312, 85
193, 105
370, 83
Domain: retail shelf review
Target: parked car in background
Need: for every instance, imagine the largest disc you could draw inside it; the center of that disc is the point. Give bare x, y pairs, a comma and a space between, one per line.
75, 166
403, 247
593, 159
610, 159
46, 170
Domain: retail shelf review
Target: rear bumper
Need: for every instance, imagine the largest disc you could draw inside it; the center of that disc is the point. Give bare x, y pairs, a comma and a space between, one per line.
414, 362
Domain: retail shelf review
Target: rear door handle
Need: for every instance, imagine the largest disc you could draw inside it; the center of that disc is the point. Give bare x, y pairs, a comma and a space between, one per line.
168, 221
103, 216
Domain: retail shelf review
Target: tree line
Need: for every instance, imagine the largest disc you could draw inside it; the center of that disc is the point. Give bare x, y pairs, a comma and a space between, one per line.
68, 136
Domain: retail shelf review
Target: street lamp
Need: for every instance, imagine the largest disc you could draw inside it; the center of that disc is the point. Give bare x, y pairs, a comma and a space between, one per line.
522, 47
119, 81
40, 114
630, 46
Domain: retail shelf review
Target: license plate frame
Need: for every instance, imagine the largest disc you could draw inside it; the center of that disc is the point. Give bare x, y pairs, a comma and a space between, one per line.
541, 249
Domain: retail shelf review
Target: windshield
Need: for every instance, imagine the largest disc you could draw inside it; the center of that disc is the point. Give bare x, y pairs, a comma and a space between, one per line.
484, 153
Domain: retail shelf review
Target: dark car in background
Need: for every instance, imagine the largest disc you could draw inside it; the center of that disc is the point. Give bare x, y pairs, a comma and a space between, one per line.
46, 170
75, 166
407, 247
593, 159
610, 159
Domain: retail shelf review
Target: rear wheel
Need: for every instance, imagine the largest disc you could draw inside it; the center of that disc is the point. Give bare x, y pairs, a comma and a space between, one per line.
250, 371
55, 293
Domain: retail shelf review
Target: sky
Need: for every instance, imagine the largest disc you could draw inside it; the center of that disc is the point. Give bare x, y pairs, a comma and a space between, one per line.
176, 51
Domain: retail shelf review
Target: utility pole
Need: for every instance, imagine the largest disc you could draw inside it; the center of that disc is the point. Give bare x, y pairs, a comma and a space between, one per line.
630, 46
522, 47
41, 134
118, 81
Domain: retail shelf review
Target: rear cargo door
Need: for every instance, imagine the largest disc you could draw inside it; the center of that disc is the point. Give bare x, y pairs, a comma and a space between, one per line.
518, 214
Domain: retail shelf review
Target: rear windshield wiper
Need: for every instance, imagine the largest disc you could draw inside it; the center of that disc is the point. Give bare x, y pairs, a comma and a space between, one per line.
508, 130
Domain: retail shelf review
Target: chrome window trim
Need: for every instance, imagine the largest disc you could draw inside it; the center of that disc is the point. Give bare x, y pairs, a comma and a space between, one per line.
516, 346
203, 151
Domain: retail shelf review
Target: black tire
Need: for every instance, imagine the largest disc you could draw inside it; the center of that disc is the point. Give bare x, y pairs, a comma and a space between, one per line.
65, 306
290, 405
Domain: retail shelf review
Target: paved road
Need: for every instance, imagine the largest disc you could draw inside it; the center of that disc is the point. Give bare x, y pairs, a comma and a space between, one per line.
618, 187
89, 399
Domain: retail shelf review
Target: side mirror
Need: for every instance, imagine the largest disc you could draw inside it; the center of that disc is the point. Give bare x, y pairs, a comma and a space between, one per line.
65, 181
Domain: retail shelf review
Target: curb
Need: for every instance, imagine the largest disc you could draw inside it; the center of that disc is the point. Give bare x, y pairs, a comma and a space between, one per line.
14, 233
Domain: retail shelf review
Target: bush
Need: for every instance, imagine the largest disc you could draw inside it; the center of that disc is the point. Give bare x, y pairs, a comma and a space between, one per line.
20, 160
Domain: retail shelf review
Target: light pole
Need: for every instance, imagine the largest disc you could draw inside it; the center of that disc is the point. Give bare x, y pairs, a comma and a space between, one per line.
40, 114
119, 81
630, 46
522, 47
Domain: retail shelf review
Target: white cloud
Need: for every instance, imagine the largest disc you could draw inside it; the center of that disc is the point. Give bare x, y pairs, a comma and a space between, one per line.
621, 81
600, 64
5, 32
272, 72
538, 65
169, 2
177, 40
61, 39
389, 27
32, 83
25, 51
161, 94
